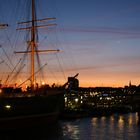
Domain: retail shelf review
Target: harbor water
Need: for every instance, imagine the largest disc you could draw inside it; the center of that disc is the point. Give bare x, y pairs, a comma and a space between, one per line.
114, 127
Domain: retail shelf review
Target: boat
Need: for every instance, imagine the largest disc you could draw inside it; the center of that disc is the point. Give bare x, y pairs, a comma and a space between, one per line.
36, 105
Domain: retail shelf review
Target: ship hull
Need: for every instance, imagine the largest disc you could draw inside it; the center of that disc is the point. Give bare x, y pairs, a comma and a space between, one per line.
29, 121
18, 112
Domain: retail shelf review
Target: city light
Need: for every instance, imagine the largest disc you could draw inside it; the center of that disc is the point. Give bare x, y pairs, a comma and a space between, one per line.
8, 107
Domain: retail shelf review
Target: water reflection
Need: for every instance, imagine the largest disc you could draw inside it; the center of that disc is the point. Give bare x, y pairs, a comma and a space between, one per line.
71, 131
115, 127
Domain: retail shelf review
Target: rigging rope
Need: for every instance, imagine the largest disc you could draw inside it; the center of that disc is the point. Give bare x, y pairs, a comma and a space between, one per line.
31, 75
22, 65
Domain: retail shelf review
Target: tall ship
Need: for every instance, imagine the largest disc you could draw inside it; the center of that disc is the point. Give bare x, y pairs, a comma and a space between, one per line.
36, 104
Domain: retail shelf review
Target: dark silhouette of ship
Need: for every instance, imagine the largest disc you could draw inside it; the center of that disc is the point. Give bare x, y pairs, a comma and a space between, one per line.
37, 105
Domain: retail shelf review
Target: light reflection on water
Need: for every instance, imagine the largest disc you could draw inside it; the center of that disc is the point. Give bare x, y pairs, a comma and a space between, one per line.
115, 127
71, 131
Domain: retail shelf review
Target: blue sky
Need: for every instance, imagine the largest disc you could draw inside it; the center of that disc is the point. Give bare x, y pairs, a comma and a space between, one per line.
100, 39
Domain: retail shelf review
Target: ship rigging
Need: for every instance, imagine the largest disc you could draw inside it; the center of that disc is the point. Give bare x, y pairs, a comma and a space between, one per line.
33, 48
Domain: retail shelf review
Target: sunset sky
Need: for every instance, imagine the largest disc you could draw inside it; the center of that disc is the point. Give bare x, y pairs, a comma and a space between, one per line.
99, 39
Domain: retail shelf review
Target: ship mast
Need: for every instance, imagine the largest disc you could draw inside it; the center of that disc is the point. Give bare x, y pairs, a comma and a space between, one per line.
33, 42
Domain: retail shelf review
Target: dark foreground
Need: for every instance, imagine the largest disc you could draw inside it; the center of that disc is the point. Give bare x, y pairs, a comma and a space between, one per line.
114, 127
